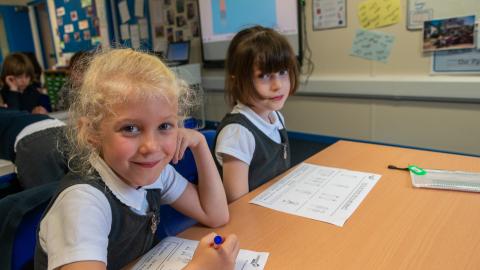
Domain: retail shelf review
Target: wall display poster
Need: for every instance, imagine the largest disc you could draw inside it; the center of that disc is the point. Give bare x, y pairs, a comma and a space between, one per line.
456, 61
449, 34
177, 20
143, 24
329, 14
139, 8
419, 11
372, 45
124, 32
378, 13
124, 12
134, 36
134, 23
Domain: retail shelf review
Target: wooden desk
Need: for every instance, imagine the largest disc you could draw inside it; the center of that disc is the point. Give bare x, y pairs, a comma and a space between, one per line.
397, 226
6, 167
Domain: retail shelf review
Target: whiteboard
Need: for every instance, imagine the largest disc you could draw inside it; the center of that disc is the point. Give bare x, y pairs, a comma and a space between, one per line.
434, 9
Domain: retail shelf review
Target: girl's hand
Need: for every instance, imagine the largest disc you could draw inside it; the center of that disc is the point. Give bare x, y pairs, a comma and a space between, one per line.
42, 91
12, 83
39, 110
187, 138
208, 257
206, 201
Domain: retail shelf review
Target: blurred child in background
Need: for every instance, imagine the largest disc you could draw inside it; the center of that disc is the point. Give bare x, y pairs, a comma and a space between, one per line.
18, 92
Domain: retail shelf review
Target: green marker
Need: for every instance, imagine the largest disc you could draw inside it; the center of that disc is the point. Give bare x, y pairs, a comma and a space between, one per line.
416, 170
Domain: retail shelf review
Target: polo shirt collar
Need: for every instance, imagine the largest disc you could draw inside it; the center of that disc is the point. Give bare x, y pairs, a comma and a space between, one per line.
134, 198
256, 119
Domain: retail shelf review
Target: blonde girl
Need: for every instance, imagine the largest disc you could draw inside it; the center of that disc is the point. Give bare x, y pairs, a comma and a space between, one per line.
124, 132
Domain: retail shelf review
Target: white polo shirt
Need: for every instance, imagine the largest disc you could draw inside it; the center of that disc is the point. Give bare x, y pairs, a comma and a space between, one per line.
237, 141
77, 226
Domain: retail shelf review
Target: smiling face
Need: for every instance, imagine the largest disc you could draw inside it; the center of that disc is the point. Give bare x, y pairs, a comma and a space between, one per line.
272, 89
139, 140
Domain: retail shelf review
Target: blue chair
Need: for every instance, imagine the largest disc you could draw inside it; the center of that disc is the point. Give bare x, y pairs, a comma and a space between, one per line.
8, 178
9, 185
21, 213
172, 221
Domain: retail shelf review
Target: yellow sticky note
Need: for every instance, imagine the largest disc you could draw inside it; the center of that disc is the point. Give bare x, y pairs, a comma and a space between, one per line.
378, 13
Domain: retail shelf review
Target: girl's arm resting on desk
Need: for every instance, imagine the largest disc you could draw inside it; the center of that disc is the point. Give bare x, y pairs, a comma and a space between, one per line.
206, 202
39, 110
235, 177
91, 265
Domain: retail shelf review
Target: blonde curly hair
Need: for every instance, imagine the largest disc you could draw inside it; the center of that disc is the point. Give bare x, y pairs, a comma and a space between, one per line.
116, 76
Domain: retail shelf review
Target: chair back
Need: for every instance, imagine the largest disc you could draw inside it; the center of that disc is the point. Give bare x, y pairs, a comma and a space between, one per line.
21, 214
26, 239
172, 221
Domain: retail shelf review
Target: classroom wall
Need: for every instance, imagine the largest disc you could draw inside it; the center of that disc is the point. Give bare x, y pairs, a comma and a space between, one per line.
398, 102
434, 125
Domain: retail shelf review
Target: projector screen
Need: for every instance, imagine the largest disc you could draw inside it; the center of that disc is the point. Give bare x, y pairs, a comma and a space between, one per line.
220, 20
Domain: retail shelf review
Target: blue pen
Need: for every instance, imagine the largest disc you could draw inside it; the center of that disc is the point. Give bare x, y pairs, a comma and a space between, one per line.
217, 241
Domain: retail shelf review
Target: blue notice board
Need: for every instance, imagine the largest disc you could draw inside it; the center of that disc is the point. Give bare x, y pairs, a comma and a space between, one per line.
78, 24
134, 24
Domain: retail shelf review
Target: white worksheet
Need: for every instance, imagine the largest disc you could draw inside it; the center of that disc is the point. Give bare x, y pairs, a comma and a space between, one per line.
317, 192
174, 253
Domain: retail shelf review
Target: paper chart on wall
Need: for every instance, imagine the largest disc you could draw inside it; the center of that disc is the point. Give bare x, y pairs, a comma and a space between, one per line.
420, 10
372, 45
378, 13
135, 36
124, 12
124, 31
174, 253
329, 14
456, 61
143, 24
317, 192
139, 7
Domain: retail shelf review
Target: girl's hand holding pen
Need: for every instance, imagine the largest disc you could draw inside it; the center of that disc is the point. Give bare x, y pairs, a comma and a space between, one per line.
217, 241
221, 257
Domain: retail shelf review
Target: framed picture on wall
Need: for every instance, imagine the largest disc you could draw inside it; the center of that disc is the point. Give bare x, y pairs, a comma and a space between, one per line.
329, 14
418, 11
449, 34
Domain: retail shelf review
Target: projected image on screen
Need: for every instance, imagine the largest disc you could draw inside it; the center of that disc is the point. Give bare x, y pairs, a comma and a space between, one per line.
230, 16
220, 20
